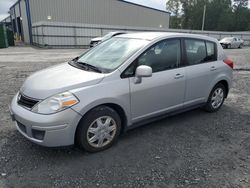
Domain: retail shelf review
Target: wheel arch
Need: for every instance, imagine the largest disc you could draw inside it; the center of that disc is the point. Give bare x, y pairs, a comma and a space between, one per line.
225, 84
121, 113
118, 108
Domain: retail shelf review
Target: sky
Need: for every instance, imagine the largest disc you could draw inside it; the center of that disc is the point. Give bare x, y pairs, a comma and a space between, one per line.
158, 4
4, 7
6, 4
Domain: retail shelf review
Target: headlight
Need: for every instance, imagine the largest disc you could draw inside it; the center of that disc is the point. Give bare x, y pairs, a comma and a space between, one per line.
55, 103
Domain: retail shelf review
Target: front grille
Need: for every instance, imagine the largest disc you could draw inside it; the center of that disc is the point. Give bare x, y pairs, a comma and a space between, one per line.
26, 101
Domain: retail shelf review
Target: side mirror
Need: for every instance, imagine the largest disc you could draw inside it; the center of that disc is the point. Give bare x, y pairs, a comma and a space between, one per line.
142, 71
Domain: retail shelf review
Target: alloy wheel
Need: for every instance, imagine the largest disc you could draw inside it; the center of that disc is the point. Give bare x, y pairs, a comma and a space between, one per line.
217, 98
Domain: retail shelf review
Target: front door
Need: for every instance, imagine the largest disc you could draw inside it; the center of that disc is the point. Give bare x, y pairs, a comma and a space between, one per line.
165, 90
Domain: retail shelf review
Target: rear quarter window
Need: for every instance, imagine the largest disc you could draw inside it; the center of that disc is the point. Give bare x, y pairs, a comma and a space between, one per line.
211, 51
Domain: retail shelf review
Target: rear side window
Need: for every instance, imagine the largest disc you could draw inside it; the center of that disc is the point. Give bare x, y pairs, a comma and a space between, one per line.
199, 51
211, 51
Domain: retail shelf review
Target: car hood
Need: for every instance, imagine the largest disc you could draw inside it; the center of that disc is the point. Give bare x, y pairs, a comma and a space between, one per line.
57, 79
96, 39
224, 41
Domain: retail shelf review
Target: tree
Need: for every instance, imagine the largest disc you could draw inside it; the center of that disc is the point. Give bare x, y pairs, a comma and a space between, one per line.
218, 13
221, 14
241, 15
174, 7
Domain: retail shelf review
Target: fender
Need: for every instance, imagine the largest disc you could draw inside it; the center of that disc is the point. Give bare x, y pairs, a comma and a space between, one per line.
104, 101
217, 79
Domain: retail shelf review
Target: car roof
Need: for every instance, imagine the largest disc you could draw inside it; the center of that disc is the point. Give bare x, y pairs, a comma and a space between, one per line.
158, 35
115, 32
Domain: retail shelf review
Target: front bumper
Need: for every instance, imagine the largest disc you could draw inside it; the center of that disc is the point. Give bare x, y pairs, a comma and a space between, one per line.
47, 130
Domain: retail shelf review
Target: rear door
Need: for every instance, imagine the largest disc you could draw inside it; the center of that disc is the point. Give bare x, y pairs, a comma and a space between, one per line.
201, 69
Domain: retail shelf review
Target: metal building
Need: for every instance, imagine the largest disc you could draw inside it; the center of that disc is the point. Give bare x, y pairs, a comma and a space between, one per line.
31, 19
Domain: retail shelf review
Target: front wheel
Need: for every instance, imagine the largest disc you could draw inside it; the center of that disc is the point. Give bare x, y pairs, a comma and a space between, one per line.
99, 129
216, 98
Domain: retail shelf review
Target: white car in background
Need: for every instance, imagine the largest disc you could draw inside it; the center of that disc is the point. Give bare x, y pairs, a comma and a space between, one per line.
231, 42
98, 40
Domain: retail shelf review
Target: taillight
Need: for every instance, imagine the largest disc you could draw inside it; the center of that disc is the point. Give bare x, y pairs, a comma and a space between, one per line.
229, 62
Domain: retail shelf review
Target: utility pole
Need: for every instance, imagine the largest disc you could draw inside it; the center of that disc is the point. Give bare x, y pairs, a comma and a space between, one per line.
204, 17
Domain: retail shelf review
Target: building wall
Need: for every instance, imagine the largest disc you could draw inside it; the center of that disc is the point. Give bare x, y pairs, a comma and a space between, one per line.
71, 35
101, 12
25, 22
12, 14
20, 11
104, 12
17, 12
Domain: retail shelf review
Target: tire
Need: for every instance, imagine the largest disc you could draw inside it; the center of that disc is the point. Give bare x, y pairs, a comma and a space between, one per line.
229, 46
240, 46
99, 129
214, 104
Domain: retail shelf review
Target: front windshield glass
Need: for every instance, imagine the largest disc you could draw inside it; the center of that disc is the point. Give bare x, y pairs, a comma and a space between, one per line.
110, 54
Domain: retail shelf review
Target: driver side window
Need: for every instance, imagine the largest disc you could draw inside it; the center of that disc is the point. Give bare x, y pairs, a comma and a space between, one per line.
160, 57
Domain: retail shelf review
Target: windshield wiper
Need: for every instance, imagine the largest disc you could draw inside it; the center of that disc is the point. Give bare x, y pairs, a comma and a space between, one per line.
88, 66
75, 59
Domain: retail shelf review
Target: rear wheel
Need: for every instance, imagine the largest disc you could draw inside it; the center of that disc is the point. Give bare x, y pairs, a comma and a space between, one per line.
99, 129
216, 98
240, 46
229, 46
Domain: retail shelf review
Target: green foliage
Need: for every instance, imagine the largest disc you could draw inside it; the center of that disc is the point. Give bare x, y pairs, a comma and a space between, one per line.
221, 15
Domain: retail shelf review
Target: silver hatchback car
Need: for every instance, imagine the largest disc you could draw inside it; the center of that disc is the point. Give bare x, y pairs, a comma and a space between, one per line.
124, 82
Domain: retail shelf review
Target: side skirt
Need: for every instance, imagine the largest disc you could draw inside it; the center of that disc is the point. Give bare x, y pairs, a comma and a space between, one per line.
153, 119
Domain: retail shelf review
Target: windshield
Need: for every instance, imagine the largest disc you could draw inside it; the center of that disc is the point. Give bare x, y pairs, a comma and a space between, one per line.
110, 54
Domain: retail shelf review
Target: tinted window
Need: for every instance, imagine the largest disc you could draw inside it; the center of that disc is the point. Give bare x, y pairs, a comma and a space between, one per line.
196, 51
211, 51
162, 56
199, 51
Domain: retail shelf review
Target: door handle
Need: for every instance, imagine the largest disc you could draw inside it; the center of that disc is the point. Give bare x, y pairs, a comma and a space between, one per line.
178, 76
213, 68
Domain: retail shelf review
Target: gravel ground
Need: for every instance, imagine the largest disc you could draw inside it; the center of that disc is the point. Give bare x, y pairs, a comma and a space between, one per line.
192, 149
